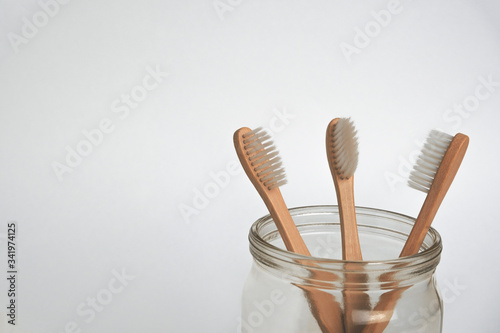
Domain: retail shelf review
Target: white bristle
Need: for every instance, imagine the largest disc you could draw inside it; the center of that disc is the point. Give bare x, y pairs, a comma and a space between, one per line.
424, 170
264, 158
345, 147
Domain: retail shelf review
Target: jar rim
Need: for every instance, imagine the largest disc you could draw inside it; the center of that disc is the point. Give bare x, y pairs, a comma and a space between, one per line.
260, 247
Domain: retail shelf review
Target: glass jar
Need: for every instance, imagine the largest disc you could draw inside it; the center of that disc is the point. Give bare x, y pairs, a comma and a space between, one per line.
287, 292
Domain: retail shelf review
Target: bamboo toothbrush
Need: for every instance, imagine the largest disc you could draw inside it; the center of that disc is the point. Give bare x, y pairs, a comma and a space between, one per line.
263, 166
260, 160
342, 153
433, 174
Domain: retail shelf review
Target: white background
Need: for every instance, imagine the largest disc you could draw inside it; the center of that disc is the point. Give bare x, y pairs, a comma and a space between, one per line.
120, 209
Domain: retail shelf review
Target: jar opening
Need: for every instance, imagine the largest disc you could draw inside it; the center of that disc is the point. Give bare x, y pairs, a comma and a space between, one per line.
382, 236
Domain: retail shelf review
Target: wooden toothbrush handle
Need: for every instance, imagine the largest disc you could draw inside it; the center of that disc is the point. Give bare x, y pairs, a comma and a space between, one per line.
384, 311
284, 222
325, 309
354, 300
351, 249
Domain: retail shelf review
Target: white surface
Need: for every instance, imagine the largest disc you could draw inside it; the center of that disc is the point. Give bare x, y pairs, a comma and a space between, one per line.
120, 207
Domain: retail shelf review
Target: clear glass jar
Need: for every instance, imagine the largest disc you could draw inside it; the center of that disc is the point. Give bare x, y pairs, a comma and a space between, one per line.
287, 292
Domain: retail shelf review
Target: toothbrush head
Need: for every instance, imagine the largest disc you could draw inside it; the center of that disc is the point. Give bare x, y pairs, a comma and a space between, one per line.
342, 147
432, 154
259, 156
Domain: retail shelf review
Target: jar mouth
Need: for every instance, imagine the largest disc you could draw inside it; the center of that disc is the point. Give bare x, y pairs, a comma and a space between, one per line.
395, 227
